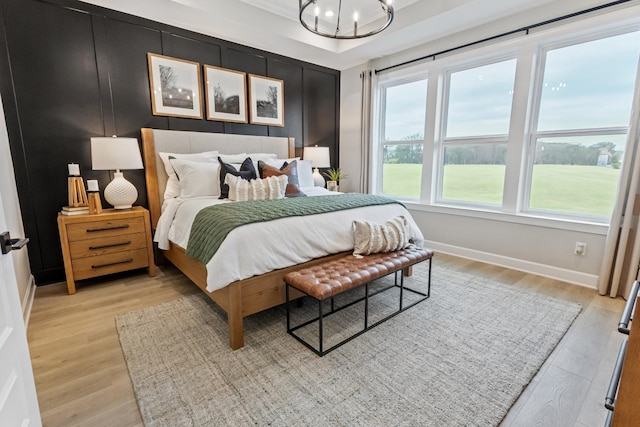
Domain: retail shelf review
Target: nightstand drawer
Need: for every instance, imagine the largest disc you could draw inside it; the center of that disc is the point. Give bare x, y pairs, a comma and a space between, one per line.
84, 268
100, 229
107, 245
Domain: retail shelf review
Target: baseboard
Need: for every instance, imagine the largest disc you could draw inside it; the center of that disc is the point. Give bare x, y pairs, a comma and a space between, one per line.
27, 301
570, 276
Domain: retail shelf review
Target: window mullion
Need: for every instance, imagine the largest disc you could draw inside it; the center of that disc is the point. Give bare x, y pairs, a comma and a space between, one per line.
431, 130
515, 182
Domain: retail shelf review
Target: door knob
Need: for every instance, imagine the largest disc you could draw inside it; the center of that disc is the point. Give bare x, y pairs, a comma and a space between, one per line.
7, 243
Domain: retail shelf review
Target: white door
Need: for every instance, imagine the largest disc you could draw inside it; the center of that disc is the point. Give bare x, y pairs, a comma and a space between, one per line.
18, 400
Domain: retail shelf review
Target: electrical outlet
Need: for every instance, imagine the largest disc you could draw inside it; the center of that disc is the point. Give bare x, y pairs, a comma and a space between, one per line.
581, 249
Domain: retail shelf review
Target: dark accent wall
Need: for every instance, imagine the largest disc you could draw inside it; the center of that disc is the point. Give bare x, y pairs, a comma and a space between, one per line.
70, 70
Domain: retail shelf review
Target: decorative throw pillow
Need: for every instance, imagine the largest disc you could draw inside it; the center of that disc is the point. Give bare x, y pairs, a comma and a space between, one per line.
240, 189
247, 171
370, 237
290, 169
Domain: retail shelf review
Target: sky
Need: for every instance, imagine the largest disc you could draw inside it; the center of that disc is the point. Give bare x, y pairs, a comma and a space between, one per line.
586, 85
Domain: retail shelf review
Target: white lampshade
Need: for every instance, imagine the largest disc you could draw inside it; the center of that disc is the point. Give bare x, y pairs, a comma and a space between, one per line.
319, 157
115, 154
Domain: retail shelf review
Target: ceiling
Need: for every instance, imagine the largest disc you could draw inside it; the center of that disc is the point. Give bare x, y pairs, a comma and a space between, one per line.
273, 25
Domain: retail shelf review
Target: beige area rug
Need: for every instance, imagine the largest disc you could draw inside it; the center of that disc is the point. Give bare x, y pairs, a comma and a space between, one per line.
460, 358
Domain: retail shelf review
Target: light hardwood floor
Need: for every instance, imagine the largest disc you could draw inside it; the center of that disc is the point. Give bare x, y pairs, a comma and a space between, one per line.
82, 379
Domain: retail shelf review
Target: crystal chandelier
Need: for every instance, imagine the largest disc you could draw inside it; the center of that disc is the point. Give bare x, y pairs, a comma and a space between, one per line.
338, 19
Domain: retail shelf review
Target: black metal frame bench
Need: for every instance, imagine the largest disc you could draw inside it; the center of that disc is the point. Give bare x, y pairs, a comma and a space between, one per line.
326, 280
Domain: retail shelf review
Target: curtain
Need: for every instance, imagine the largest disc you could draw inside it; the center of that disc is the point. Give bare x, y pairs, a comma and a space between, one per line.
365, 130
622, 247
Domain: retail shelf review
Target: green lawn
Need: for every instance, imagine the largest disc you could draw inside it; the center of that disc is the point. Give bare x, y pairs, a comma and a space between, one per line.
577, 189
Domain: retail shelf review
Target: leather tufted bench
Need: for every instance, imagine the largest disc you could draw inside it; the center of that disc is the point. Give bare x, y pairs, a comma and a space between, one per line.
326, 280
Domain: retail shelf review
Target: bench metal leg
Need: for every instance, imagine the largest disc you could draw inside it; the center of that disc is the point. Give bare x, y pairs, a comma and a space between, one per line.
286, 293
320, 324
429, 284
366, 305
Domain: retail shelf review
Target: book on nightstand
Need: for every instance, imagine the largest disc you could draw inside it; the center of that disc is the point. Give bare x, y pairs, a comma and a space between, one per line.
74, 210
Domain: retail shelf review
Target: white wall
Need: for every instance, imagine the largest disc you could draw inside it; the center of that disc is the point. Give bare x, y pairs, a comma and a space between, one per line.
542, 247
26, 285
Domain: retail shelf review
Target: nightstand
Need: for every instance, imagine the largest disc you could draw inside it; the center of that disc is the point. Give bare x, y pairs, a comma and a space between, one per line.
105, 243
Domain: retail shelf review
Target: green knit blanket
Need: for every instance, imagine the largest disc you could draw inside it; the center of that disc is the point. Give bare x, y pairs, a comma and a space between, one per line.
212, 224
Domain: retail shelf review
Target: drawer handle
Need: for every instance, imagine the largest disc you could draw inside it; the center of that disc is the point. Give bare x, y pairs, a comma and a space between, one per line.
623, 326
115, 227
128, 242
126, 261
610, 400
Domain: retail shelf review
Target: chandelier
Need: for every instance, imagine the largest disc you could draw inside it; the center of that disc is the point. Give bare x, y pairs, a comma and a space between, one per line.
338, 19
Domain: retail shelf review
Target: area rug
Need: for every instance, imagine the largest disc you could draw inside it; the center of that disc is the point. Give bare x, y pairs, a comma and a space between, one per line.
460, 358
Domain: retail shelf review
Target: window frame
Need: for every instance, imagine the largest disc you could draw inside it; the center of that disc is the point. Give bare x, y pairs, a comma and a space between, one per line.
534, 134
380, 140
522, 134
445, 141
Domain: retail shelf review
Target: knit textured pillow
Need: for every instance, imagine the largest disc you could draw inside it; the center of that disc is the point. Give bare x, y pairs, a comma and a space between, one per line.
240, 189
370, 237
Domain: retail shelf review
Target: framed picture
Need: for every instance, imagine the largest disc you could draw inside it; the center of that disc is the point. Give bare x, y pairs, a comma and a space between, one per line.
175, 87
226, 94
266, 96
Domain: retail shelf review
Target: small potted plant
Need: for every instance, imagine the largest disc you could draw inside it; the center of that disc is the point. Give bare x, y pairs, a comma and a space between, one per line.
334, 176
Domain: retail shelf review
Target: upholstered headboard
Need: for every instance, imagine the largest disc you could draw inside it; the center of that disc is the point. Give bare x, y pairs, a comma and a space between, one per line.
176, 141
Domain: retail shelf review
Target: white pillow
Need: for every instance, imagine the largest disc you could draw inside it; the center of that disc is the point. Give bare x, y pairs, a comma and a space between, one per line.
265, 157
233, 158
173, 186
262, 156
272, 187
305, 173
277, 163
197, 178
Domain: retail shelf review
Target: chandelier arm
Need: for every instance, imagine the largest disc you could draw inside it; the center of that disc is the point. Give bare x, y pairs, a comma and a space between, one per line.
339, 13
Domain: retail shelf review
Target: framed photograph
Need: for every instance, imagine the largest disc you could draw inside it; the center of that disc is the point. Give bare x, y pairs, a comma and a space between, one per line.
266, 96
226, 94
175, 87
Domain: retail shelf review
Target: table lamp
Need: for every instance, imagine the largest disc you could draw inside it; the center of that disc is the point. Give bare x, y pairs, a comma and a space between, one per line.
319, 157
116, 154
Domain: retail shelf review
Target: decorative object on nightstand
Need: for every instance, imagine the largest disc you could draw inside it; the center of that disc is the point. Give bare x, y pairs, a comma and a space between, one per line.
116, 154
319, 157
334, 176
77, 195
95, 205
105, 243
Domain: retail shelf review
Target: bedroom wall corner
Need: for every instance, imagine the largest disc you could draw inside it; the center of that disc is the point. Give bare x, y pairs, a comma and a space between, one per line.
350, 122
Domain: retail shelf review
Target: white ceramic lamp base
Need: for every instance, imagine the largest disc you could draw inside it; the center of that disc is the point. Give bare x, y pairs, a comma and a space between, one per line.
318, 180
120, 193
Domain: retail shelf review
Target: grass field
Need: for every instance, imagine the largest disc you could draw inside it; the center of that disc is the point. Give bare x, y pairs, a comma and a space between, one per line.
565, 188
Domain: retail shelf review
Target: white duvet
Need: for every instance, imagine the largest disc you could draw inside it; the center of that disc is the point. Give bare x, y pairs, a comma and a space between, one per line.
258, 248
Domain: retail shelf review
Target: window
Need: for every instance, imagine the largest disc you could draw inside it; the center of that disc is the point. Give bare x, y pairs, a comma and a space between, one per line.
402, 129
585, 103
534, 126
474, 141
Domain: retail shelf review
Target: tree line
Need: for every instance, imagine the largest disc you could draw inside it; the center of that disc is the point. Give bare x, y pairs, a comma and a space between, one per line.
554, 153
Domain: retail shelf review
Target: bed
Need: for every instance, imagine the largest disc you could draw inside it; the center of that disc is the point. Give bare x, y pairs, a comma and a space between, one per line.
250, 291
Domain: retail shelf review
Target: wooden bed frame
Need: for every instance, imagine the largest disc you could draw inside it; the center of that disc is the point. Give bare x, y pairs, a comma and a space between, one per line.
243, 297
